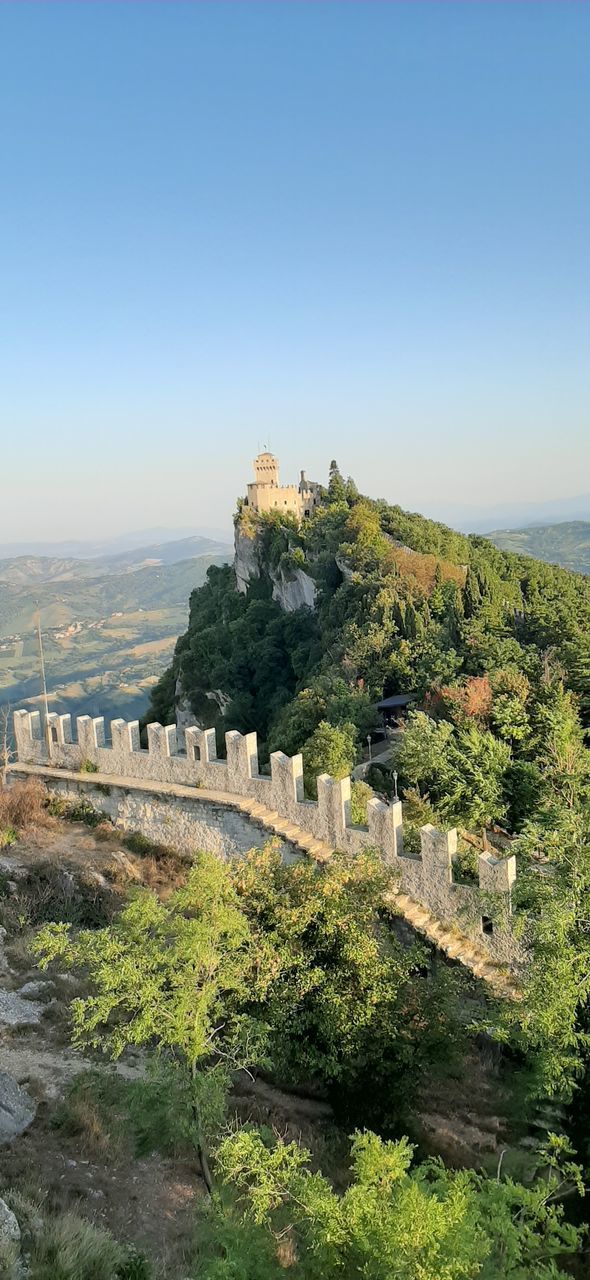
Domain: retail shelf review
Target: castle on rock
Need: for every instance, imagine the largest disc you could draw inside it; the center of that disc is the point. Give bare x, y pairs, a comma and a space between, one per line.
266, 494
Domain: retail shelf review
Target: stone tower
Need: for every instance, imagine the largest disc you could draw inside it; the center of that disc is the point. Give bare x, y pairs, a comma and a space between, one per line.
266, 469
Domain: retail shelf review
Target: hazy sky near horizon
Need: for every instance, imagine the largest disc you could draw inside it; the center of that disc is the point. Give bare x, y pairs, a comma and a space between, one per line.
340, 229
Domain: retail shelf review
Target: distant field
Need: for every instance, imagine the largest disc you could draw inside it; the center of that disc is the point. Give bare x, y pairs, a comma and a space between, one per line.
98, 670
106, 639
64, 602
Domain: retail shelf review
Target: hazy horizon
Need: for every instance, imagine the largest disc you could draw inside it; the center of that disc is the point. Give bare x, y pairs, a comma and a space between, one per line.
503, 517
353, 231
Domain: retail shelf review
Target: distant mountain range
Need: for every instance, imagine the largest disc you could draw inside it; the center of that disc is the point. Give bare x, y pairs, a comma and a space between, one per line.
566, 543
137, 540
27, 568
510, 515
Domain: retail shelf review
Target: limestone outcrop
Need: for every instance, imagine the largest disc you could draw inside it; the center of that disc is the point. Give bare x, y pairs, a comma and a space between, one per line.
292, 591
246, 561
292, 588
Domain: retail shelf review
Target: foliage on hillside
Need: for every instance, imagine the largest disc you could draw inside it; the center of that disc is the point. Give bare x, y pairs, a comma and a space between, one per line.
392, 1220
488, 641
496, 648
293, 966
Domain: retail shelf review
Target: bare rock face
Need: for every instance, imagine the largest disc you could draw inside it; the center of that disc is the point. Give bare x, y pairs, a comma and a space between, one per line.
9, 1228
17, 1112
4, 965
10, 1245
295, 591
246, 563
185, 717
344, 568
40, 989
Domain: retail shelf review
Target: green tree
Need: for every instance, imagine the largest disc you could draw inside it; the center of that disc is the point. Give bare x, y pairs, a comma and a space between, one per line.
523, 785
552, 897
509, 719
329, 697
564, 759
350, 1006
393, 1222
471, 594
176, 974
336, 486
461, 769
330, 749
360, 794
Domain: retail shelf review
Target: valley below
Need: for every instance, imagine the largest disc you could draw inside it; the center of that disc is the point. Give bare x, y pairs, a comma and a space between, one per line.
109, 625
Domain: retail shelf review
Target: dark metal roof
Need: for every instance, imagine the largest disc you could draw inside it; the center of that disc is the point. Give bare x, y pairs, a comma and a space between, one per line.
398, 700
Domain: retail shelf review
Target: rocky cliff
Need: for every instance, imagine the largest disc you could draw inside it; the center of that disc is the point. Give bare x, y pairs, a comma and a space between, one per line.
266, 554
292, 588
246, 557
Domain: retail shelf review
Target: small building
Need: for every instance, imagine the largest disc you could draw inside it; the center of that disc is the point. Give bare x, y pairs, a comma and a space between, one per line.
394, 710
266, 494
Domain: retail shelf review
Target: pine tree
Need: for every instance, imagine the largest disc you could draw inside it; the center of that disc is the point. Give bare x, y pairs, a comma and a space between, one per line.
336, 486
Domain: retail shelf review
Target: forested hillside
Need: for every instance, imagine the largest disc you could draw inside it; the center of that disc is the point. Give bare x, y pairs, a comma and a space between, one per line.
566, 543
496, 648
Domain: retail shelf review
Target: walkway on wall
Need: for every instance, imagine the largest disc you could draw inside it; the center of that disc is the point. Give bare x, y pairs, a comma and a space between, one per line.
451, 941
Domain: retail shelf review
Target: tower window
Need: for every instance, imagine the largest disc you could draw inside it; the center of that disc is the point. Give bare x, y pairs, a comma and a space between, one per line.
487, 925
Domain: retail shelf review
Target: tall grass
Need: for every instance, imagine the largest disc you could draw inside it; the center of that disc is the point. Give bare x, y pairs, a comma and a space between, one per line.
24, 806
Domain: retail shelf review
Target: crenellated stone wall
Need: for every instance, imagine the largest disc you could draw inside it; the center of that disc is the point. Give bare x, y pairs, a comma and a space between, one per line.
182, 822
188, 758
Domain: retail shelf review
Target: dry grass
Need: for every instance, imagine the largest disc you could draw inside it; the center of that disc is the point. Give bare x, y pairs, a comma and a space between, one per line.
84, 1118
155, 866
24, 806
48, 892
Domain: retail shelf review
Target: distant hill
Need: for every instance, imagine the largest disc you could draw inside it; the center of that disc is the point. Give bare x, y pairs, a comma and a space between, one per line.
109, 623
25, 570
566, 544
98, 547
68, 589
483, 517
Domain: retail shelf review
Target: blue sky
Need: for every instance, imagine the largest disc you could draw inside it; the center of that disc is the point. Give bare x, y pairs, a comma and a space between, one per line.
343, 229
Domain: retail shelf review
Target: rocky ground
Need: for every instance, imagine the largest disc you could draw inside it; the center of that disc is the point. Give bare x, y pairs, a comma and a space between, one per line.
149, 1201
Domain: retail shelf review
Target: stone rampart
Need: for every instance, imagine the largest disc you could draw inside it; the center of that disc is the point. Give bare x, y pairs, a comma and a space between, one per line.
184, 822
188, 758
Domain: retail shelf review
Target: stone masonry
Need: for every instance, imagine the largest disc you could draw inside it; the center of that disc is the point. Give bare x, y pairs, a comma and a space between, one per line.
177, 762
